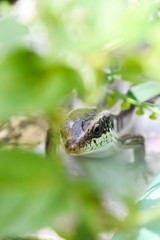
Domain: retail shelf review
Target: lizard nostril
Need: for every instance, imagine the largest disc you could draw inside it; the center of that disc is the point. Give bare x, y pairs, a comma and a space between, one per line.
71, 147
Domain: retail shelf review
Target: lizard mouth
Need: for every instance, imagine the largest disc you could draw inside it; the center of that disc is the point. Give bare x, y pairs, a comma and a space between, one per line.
75, 149
71, 148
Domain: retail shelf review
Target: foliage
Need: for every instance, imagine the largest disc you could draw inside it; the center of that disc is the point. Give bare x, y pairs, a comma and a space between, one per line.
66, 45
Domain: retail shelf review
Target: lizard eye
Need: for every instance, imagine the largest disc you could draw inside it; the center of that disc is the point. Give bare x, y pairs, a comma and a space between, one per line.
97, 130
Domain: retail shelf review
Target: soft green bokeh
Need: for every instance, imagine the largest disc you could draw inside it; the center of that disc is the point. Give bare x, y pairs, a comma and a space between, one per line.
148, 216
66, 45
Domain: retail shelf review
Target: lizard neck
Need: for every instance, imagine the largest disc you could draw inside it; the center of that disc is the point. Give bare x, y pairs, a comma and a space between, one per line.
123, 119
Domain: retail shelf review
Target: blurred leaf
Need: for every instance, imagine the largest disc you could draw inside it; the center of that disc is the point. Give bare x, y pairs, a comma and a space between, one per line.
32, 191
109, 175
76, 40
27, 83
145, 91
146, 225
78, 21
36, 192
83, 232
11, 33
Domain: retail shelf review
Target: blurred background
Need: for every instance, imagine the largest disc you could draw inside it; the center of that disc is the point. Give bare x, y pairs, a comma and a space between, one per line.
50, 52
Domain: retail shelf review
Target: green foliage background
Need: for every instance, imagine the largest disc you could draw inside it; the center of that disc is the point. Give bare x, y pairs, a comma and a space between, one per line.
75, 41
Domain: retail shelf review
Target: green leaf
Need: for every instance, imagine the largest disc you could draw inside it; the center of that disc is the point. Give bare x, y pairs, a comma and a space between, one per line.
34, 193
146, 225
28, 83
145, 91
11, 33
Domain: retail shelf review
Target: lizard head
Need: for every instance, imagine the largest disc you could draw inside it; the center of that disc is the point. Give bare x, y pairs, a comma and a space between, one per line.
86, 130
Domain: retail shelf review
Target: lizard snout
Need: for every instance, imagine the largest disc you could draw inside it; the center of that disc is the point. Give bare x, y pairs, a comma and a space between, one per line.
71, 148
